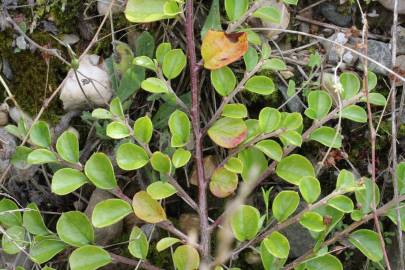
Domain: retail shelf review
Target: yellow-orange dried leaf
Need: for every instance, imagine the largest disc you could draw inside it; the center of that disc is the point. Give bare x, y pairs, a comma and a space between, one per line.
219, 49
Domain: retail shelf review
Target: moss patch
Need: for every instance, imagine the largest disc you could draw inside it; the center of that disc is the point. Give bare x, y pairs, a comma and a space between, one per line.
30, 72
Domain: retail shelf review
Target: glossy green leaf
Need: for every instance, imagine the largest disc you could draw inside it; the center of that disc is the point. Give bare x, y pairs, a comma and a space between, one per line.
131, 157
291, 2
173, 64
67, 146
271, 149
145, 62
166, 242
9, 214
285, 204
392, 215
350, 83
228, 132
245, 222
20, 156
160, 162
67, 180
40, 134
253, 129
375, 99
223, 80
254, 164
368, 243
334, 215
274, 64
33, 221
364, 197
261, 85
312, 221
130, 83
291, 121
327, 136
145, 44
310, 188
89, 258
148, 209
143, 129
251, 58
291, 137
160, 190
109, 212
44, 248
117, 130
268, 260
342, 203
75, 229
154, 85
270, 14
116, 108
400, 172
277, 244
138, 243
293, 168
186, 257
269, 119
180, 128
355, 113
235, 110
223, 183
345, 180
325, 262
234, 165
236, 8
162, 50
372, 80
41, 156
319, 104
143, 11
13, 241
100, 171
180, 157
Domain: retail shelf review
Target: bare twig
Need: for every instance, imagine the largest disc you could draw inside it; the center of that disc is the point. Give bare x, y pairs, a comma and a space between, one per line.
195, 116
394, 137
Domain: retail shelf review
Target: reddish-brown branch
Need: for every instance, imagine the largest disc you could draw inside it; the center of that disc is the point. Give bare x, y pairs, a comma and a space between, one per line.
195, 117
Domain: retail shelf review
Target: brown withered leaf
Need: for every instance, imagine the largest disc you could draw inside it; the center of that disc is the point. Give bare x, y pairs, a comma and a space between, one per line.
219, 49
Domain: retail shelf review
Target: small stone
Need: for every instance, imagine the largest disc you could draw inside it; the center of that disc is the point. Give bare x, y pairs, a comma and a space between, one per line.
107, 235
333, 51
70, 39
294, 103
390, 4
287, 74
400, 40
380, 52
94, 89
3, 118
21, 43
330, 12
5, 68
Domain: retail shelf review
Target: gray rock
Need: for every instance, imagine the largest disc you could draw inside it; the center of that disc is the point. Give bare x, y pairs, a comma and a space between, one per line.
294, 104
94, 88
400, 40
380, 52
389, 4
334, 51
108, 234
331, 13
5, 68
8, 143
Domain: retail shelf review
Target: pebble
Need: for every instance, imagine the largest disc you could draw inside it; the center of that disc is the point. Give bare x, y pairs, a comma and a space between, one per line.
331, 13
94, 82
333, 51
380, 52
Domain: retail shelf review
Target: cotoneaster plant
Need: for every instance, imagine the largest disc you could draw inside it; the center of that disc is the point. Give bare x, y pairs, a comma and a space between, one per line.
254, 150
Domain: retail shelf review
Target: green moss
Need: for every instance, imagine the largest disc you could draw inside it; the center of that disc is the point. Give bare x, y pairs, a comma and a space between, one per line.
65, 14
29, 70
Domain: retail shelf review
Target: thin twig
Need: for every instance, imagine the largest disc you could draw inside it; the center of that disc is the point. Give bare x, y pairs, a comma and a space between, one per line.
195, 116
394, 137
